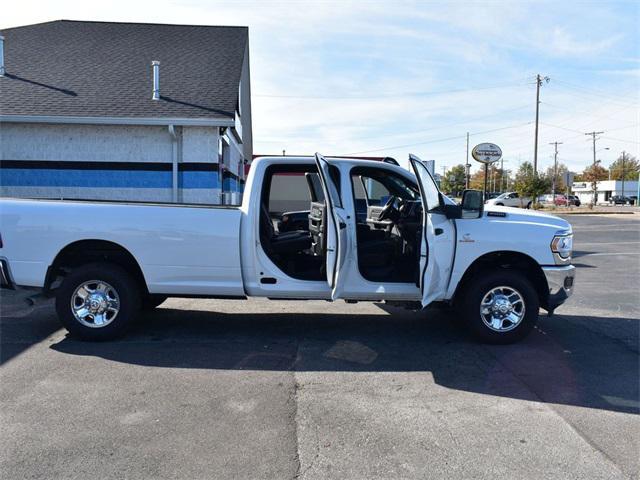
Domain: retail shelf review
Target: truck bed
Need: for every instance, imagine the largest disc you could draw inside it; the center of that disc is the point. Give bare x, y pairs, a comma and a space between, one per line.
180, 248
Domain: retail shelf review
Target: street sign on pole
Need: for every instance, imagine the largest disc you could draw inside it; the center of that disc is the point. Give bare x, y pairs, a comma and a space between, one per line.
568, 185
568, 178
486, 153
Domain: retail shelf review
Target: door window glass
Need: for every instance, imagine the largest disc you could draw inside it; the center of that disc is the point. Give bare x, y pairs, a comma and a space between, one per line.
333, 184
377, 193
289, 191
431, 193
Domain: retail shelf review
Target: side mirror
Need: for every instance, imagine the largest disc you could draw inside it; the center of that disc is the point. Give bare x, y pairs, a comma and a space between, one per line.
472, 204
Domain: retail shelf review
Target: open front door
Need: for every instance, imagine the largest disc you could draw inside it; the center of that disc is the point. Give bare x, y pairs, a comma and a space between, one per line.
336, 226
430, 199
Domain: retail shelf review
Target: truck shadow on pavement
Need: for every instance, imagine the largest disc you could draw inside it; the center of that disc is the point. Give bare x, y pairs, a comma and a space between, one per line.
564, 361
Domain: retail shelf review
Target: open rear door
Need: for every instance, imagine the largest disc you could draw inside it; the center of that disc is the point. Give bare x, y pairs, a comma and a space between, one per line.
336, 227
429, 194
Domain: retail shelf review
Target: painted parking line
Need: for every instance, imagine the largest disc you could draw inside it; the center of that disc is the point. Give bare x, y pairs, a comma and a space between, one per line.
606, 254
609, 243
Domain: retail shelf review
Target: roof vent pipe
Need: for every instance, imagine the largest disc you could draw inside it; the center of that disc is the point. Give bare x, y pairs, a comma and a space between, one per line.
156, 79
1, 56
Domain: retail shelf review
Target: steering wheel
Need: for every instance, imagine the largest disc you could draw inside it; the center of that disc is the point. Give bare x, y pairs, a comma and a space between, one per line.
388, 208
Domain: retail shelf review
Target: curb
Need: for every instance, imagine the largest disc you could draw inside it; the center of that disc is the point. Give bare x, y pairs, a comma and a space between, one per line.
592, 213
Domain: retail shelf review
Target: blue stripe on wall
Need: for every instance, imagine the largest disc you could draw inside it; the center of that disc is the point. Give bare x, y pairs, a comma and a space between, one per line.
198, 180
230, 185
22, 177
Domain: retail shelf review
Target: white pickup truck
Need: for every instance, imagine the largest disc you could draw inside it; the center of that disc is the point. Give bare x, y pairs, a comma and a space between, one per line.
374, 232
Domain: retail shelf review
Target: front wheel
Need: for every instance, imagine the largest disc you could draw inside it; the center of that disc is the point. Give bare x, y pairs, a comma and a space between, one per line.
500, 306
98, 301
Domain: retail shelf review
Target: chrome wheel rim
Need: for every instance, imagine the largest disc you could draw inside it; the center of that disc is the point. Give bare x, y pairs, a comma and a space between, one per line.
95, 304
502, 309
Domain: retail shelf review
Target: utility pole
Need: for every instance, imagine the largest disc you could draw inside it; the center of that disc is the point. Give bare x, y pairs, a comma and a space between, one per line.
594, 184
467, 166
623, 155
539, 81
504, 184
555, 170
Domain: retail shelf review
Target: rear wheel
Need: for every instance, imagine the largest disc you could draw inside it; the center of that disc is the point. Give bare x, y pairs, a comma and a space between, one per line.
529, 205
500, 306
98, 301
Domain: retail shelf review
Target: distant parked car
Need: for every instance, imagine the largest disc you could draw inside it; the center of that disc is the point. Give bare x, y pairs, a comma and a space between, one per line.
491, 195
574, 200
559, 200
510, 199
620, 200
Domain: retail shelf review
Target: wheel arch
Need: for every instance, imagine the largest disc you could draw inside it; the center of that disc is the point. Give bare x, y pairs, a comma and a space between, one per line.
86, 251
510, 260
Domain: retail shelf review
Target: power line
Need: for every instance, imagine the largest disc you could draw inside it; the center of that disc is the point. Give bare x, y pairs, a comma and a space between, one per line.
437, 140
562, 128
608, 99
595, 92
621, 140
387, 95
439, 127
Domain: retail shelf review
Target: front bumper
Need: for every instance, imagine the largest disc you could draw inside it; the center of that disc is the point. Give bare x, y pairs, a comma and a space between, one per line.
560, 281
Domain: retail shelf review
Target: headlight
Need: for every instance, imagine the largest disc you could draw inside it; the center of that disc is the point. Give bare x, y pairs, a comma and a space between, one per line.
562, 245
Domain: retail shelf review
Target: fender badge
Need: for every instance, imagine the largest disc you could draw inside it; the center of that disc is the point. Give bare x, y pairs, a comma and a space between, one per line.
496, 214
466, 238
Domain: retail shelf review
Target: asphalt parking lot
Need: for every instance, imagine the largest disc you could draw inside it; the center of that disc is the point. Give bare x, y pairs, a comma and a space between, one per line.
282, 390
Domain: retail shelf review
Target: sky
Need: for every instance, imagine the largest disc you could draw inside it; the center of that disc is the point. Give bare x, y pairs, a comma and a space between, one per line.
389, 78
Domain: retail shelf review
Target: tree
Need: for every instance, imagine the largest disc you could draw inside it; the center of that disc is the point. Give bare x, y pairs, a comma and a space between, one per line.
476, 181
453, 181
593, 174
497, 179
588, 175
529, 185
631, 168
561, 170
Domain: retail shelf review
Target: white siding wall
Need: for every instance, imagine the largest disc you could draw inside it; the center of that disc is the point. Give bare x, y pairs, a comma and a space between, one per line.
123, 143
108, 143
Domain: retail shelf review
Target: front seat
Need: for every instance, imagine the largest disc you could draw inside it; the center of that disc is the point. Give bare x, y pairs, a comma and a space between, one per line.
287, 242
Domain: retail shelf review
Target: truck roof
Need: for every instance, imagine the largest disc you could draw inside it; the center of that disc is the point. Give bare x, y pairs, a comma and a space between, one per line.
353, 162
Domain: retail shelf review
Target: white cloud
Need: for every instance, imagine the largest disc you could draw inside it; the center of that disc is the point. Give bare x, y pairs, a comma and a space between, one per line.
564, 43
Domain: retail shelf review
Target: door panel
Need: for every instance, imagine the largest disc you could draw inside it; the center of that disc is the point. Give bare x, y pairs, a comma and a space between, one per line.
336, 227
430, 282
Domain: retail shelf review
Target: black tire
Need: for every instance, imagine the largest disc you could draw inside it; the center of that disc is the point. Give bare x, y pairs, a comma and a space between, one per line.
481, 285
121, 281
529, 205
151, 301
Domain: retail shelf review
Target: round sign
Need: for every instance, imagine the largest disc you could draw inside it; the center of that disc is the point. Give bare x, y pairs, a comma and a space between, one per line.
486, 153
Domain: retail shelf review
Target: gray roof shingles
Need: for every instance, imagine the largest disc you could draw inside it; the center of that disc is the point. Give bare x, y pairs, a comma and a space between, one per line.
100, 69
